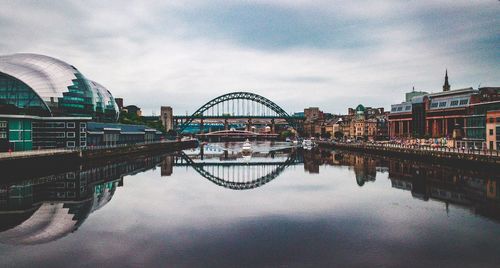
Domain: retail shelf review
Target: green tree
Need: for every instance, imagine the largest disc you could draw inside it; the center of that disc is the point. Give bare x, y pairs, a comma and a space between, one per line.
133, 119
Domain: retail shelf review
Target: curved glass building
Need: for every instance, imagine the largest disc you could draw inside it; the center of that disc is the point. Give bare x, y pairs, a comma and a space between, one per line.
32, 84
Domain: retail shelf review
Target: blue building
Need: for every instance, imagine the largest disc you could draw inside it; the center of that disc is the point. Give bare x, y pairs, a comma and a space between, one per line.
108, 134
48, 103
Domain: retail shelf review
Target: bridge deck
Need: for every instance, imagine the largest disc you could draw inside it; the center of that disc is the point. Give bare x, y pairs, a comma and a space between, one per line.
237, 117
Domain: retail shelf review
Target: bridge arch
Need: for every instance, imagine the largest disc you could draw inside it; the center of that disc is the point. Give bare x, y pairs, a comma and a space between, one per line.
246, 184
277, 111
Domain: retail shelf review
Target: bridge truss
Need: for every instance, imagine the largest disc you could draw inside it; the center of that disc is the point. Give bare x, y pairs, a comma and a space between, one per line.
240, 175
238, 105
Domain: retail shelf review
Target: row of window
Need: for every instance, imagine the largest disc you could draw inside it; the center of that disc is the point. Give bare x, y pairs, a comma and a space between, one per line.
492, 120
71, 144
3, 124
58, 125
400, 108
59, 135
442, 104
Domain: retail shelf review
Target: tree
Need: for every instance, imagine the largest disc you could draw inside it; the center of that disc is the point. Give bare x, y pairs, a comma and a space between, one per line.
338, 135
133, 119
286, 134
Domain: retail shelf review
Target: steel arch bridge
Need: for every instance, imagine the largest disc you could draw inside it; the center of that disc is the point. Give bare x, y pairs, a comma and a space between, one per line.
240, 175
238, 105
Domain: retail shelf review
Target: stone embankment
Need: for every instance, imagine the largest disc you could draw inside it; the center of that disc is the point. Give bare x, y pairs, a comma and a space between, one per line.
443, 155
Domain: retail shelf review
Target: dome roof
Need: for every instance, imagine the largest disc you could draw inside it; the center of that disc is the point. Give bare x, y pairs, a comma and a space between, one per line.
47, 76
104, 99
63, 89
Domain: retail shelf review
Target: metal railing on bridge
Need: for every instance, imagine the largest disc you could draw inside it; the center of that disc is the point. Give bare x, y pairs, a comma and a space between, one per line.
418, 147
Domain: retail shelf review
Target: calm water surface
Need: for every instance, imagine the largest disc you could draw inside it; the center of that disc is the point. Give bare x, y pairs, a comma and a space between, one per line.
278, 207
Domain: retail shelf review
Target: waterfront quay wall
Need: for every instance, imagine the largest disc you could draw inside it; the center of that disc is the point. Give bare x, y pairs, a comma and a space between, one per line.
105, 152
19, 164
442, 155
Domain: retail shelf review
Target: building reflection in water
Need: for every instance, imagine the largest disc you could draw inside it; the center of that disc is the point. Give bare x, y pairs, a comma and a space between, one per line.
43, 209
365, 169
475, 189
40, 210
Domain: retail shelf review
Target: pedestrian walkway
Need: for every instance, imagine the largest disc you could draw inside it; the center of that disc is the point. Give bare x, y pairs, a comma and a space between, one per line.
27, 154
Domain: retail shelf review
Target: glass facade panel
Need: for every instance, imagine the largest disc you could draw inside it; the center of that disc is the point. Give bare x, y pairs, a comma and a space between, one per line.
27, 135
79, 100
18, 98
476, 127
19, 134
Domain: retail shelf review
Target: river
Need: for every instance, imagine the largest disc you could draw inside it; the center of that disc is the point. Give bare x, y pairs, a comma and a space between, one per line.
276, 207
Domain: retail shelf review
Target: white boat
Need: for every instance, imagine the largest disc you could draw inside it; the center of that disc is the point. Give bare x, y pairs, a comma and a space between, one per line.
247, 147
307, 144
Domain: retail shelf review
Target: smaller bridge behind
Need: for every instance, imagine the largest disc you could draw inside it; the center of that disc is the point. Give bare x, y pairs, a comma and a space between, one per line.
236, 134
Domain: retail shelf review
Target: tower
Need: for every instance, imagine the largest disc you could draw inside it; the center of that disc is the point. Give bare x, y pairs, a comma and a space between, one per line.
167, 117
446, 86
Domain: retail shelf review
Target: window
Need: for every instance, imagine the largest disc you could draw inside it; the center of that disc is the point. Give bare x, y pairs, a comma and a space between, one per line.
3, 135
16, 93
400, 108
70, 144
70, 134
393, 109
434, 105
83, 144
491, 131
407, 108
49, 125
3, 124
454, 103
442, 104
464, 102
83, 125
70, 125
498, 119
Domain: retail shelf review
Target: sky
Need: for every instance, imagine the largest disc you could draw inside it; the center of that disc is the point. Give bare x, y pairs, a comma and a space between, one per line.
303, 53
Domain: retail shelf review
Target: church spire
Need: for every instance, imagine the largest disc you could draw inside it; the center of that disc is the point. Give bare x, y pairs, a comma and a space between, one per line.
446, 86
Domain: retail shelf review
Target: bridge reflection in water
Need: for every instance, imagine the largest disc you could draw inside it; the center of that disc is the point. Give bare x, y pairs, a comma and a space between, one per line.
42, 209
229, 168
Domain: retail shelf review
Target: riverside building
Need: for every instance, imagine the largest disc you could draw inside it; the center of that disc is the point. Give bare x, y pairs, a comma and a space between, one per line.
48, 103
458, 115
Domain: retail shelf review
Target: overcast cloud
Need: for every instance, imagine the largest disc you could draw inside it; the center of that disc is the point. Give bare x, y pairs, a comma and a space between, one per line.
331, 54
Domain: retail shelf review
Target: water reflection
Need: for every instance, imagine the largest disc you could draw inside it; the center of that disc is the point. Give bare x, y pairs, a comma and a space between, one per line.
228, 166
40, 210
475, 189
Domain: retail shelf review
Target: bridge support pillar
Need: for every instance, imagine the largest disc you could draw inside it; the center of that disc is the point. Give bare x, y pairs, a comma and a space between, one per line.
249, 125
226, 125
202, 152
273, 126
202, 127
